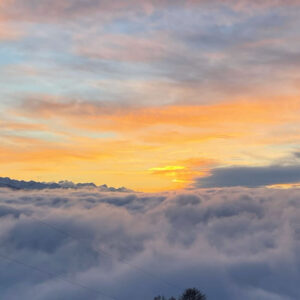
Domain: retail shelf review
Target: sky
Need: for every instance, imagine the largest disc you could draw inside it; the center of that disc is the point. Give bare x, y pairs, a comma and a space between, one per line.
148, 146
150, 95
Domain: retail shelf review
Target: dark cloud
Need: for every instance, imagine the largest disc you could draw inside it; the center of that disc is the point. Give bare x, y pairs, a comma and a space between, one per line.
250, 176
234, 243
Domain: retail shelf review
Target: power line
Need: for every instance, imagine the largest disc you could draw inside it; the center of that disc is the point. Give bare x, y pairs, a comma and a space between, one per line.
99, 250
56, 276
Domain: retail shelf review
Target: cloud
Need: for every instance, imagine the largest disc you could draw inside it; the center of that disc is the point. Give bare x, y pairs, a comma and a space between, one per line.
216, 51
234, 243
46, 10
56, 10
250, 176
120, 116
119, 47
94, 134
8, 33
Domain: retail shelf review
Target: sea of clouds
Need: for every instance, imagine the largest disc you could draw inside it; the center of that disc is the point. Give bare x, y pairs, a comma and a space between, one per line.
232, 243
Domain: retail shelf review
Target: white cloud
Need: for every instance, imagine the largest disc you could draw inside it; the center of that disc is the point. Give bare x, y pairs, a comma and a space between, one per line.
234, 243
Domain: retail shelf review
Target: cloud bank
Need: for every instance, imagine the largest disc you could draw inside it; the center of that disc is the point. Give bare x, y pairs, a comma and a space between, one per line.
233, 243
250, 176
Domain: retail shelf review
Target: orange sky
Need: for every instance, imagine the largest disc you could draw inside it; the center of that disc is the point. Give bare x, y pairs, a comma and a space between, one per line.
152, 148
118, 94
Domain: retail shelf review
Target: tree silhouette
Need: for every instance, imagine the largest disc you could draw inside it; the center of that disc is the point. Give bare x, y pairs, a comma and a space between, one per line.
192, 294
189, 294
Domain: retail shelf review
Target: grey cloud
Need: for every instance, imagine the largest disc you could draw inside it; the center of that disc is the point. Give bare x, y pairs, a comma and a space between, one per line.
234, 243
297, 155
215, 52
8, 210
250, 176
46, 10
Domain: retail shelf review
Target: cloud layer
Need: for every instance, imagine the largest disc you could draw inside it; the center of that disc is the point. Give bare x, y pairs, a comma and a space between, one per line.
234, 243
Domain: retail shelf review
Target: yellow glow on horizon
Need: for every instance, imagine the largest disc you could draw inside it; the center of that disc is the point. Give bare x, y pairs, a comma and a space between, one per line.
284, 186
151, 149
167, 168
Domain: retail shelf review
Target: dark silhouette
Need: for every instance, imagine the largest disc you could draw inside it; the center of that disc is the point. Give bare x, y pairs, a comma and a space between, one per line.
189, 294
192, 294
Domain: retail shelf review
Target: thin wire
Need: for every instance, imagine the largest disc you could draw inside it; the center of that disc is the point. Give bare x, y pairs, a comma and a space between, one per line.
99, 250
56, 276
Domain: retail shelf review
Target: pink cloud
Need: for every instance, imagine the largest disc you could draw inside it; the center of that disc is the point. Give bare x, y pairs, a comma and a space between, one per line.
49, 10
121, 47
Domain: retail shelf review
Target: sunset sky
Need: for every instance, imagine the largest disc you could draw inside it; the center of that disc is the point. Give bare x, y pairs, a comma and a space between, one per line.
149, 146
151, 95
